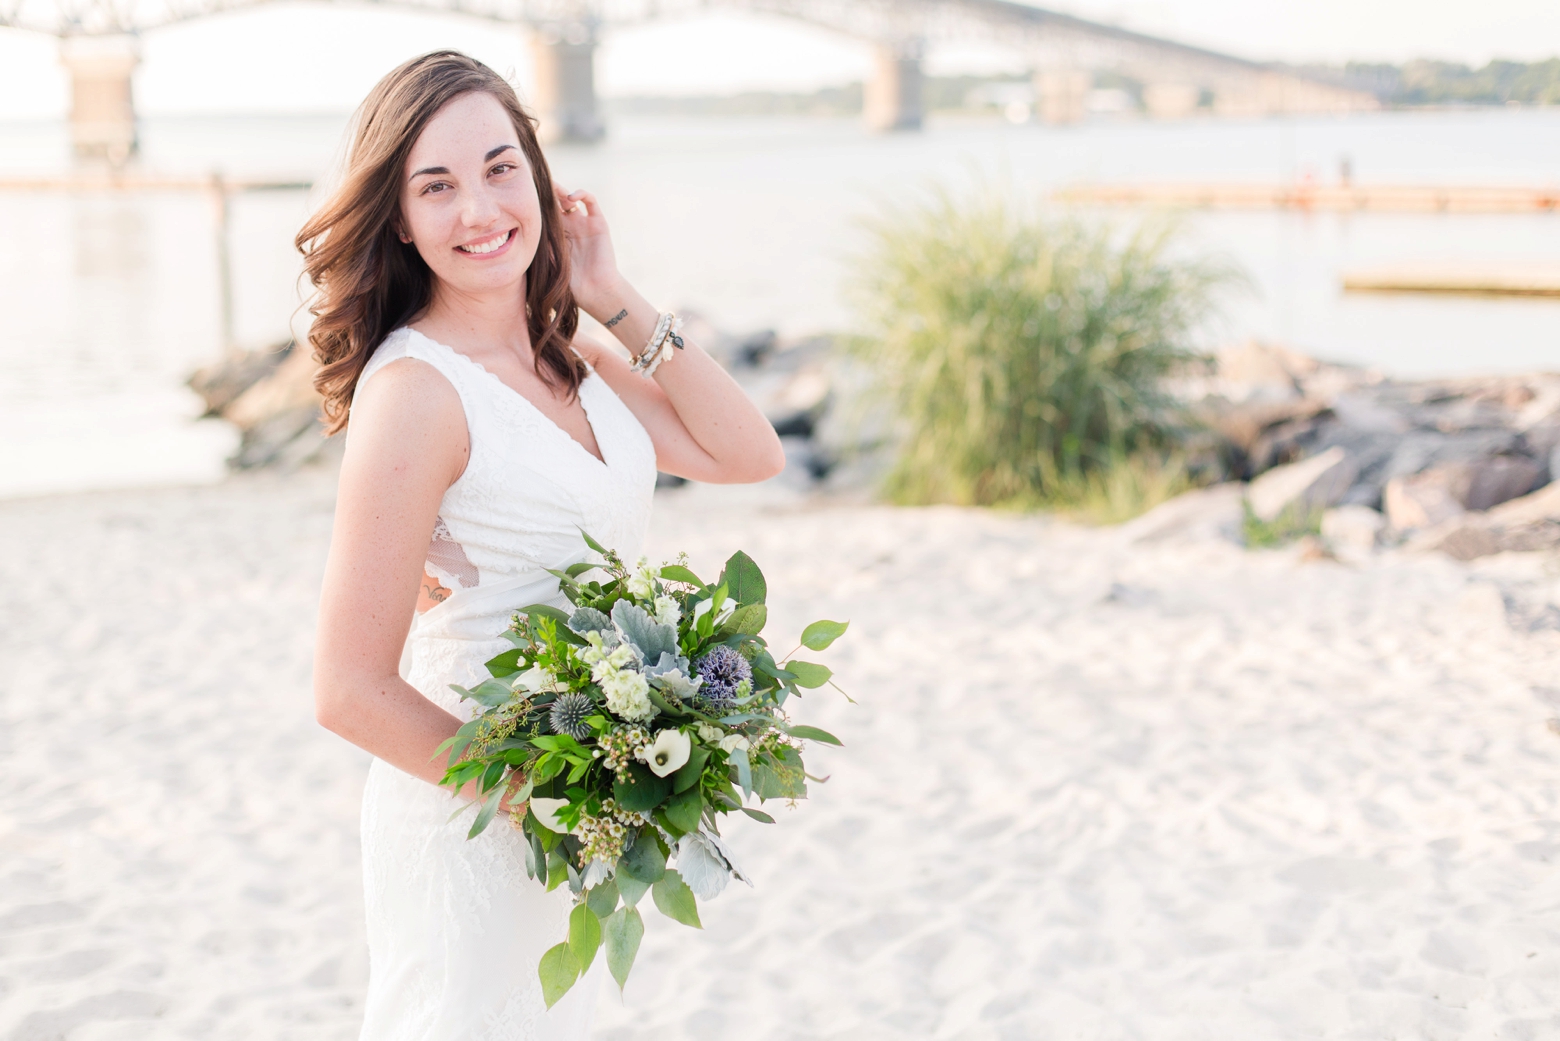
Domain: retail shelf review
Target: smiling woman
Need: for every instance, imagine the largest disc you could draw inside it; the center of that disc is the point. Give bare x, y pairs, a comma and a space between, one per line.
483, 435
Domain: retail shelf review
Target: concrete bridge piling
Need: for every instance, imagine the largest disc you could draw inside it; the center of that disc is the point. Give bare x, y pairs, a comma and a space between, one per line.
894, 96
102, 104
565, 100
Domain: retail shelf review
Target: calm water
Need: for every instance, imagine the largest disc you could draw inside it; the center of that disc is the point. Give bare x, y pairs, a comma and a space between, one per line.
112, 300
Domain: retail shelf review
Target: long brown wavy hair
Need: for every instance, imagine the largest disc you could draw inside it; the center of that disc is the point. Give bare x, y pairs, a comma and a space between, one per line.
368, 282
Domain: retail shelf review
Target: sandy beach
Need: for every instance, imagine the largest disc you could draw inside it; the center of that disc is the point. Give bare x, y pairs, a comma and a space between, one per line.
1091, 789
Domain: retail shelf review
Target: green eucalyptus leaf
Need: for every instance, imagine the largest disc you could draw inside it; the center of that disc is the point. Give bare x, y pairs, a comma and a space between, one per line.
807, 674
739, 759
748, 619
642, 791
644, 861
576, 570
688, 774
506, 664
630, 888
683, 810
819, 635
557, 615
593, 544
675, 900
603, 898
780, 776
678, 573
557, 868
489, 808
622, 931
807, 733
743, 579
558, 970
584, 934
758, 815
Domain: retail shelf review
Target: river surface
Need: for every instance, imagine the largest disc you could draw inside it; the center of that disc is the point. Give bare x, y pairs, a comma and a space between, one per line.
111, 300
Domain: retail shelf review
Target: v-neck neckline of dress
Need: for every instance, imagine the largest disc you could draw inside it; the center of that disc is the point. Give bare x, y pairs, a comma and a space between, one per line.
600, 460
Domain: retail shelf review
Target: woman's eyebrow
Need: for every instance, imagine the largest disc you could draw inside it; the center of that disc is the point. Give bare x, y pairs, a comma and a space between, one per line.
495, 153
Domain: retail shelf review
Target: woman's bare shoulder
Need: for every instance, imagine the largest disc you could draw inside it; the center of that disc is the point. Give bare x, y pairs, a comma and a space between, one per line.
409, 414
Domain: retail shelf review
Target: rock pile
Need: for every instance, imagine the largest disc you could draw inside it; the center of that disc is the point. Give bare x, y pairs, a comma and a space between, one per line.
269, 395
1458, 465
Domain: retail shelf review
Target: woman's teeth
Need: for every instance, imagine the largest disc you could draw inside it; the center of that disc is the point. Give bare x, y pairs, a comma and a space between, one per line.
487, 247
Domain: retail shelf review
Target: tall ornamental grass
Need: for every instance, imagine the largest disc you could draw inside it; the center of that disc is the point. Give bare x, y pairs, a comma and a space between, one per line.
1024, 356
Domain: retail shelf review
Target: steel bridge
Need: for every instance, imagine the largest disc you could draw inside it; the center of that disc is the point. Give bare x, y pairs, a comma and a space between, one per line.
99, 45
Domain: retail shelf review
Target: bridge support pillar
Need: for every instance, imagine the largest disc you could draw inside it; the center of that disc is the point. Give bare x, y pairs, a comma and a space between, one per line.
102, 106
894, 95
565, 101
1061, 95
1171, 100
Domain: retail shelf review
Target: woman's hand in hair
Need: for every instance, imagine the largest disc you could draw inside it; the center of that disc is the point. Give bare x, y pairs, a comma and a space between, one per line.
593, 271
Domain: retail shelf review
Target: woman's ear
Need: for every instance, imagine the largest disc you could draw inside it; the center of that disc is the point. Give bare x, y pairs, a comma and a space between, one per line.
401, 234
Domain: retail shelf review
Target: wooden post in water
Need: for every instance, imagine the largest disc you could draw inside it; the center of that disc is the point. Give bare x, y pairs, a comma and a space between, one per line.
222, 200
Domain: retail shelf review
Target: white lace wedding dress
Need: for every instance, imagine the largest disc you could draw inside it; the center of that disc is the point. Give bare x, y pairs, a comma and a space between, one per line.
455, 928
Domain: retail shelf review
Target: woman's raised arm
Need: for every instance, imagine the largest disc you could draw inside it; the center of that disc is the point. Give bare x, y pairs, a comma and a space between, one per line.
408, 444
703, 425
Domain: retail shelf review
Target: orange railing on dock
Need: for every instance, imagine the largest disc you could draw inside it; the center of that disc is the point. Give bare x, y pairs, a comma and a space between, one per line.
1335, 198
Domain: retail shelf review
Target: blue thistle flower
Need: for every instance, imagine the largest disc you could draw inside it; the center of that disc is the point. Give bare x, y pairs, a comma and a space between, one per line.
723, 670
568, 715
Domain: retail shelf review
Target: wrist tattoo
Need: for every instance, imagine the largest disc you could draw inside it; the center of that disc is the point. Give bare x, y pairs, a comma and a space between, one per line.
618, 318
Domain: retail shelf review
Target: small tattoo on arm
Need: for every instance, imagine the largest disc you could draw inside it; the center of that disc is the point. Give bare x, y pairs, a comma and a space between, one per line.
618, 317
437, 594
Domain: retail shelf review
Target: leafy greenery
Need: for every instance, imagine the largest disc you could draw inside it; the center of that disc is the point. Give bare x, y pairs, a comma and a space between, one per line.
1292, 524
1023, 354
1123, 489
613, 761
1442, 83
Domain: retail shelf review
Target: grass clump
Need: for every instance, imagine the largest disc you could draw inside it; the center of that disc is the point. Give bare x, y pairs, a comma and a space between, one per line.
1025, 356
1292, 524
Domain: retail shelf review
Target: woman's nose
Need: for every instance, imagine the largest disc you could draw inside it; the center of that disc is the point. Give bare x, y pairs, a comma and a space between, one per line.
480, 209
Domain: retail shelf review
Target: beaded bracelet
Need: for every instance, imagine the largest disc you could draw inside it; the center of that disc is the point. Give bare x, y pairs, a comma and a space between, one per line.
659, 349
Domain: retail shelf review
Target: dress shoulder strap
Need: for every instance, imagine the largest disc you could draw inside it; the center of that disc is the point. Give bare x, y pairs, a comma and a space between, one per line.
407, 343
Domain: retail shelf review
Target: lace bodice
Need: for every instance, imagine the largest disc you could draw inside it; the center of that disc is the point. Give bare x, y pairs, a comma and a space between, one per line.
529, 487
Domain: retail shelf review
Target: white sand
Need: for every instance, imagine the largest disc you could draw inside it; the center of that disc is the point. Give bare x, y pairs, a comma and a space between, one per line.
1091, 790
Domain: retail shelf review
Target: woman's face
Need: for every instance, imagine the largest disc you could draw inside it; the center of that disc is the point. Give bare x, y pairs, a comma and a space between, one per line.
468, 200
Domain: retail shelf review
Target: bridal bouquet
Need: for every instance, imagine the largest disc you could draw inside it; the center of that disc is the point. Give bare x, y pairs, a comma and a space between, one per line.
623, 731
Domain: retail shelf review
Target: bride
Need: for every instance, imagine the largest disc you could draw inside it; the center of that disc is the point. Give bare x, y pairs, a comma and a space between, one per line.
484, 435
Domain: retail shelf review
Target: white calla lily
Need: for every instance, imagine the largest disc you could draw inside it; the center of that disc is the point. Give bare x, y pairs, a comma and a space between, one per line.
546, 811
667, 753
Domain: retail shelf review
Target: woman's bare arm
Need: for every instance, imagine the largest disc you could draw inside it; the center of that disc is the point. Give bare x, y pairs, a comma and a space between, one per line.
703, 425
408, 444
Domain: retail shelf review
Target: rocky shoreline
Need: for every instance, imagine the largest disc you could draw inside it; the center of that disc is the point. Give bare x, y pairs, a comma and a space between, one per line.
1289, 444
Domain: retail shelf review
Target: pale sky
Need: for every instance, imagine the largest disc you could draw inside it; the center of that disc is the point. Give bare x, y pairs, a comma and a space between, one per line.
297, 55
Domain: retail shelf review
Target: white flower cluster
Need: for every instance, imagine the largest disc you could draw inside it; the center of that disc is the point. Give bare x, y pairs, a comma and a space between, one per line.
666, 611
641, 583
627, 691
603, 836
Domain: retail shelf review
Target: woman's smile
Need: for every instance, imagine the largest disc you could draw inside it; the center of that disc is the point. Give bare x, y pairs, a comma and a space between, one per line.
489, 246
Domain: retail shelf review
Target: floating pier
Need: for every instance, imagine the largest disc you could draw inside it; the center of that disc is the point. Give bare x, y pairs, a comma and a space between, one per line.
1317, 197
1507, 280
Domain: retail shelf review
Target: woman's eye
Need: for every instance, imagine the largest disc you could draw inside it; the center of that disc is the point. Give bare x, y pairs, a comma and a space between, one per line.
501, 168
436, 186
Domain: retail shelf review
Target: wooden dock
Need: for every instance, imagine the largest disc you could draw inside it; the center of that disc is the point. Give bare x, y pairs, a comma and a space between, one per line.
89, 183
1504, 280
1318, 197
